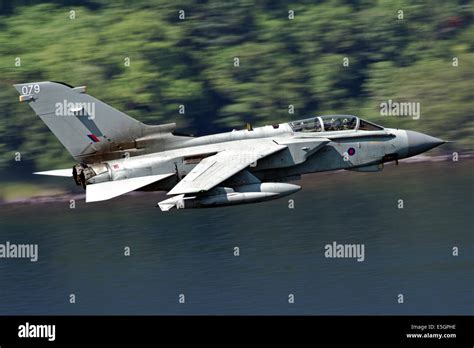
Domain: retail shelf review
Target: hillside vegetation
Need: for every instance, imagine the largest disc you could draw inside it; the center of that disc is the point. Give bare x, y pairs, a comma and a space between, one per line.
427, 57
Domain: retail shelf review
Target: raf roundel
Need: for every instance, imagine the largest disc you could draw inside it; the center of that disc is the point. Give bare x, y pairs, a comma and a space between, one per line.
351, 151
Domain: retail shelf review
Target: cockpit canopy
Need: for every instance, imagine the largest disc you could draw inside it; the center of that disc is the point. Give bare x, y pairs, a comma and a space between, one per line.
331, 123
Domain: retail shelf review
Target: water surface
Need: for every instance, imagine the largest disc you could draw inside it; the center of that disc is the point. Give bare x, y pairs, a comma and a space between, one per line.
407, 251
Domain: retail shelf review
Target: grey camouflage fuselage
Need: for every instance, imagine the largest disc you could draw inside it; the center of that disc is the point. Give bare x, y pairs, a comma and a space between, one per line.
118, 154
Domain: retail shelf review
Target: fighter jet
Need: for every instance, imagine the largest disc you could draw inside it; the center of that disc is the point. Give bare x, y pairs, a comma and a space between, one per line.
116, 154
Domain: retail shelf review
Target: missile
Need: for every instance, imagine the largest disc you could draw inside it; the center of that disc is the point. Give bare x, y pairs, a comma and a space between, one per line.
223, 196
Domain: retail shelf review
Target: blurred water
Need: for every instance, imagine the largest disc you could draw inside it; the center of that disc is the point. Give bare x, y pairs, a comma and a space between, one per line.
407, 251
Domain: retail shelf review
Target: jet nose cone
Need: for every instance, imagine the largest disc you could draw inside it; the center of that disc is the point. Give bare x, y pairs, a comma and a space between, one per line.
419, 143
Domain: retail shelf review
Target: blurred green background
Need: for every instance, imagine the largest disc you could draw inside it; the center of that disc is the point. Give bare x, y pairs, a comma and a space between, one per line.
282, 62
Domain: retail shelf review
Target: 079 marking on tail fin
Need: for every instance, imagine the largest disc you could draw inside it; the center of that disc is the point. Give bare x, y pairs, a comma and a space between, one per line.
29, 89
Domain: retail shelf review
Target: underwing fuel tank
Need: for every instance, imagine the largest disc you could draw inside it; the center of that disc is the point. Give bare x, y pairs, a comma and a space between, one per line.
222, 196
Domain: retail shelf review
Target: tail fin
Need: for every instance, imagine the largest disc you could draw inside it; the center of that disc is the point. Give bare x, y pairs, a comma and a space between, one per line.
88, 128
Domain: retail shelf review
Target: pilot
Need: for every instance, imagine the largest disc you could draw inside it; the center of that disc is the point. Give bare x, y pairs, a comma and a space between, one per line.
345, 124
